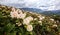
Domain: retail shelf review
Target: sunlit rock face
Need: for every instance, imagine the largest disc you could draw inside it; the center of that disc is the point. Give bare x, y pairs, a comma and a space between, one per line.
40, 4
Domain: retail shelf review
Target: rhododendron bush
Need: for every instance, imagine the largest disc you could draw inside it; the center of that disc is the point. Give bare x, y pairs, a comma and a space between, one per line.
19, 22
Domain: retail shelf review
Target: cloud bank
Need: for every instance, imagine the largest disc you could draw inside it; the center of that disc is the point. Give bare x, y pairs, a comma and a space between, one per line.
40, 4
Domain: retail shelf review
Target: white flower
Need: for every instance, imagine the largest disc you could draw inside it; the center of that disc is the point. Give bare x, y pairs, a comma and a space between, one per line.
13, 14
54, 25
13, 9
41, 17
19, 24
30, 12
52, 19
40, 22
35, 18
57, 21
22, 15
19, 11
27, 20
29, 28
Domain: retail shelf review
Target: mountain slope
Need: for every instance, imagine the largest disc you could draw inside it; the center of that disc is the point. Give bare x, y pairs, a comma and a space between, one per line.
33, 10
53, 12
14, 21
56, 12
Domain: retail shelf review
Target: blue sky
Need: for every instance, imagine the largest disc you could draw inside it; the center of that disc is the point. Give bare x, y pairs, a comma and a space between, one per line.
40, 4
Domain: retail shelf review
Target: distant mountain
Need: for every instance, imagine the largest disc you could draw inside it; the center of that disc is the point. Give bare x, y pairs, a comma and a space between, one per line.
52, 12
33, 10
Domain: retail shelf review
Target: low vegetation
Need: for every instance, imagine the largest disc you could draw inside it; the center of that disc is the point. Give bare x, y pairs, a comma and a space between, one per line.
19, 22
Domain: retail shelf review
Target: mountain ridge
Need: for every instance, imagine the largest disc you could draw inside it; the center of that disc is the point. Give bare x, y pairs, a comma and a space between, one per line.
51, 12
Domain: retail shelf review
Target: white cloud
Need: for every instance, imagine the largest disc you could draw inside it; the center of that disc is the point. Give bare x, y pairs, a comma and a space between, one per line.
41, 4
8, 1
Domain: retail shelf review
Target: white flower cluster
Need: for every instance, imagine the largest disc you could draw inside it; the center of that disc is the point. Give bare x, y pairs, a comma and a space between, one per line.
26, 21
17, 14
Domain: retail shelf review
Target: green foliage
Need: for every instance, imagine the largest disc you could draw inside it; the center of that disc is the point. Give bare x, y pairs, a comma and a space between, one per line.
8, 25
